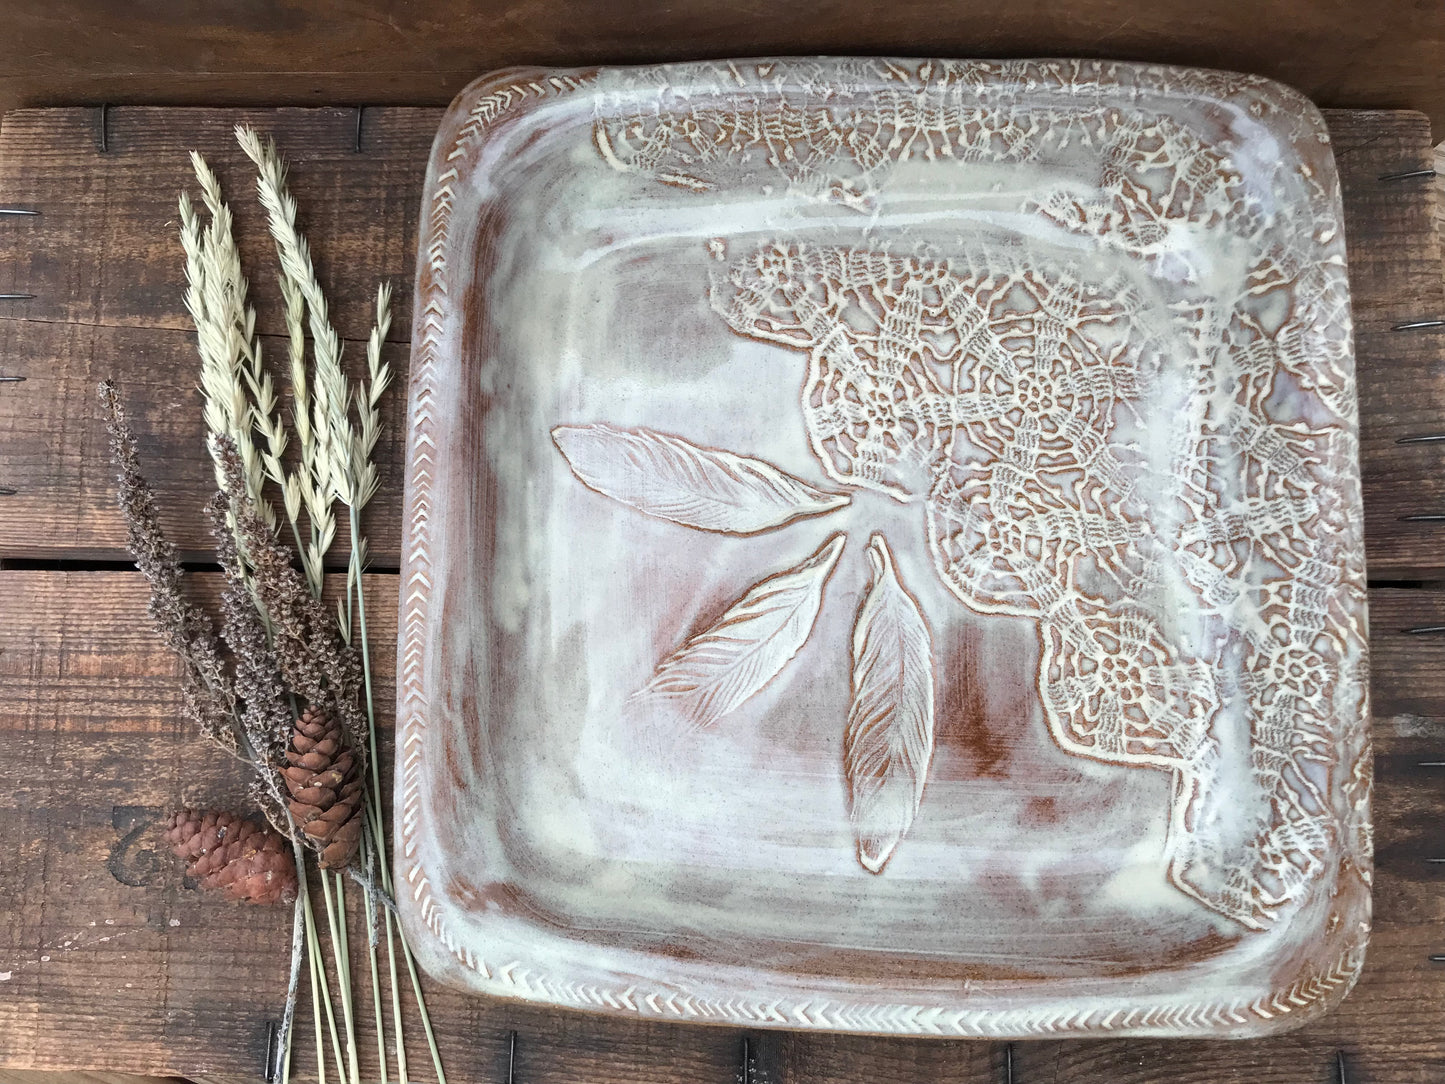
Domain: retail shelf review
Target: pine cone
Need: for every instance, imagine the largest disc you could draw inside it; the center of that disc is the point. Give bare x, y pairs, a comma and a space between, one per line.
324, 778
249, 861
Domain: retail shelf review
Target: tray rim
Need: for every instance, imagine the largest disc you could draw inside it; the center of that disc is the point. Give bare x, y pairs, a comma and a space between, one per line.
505, 95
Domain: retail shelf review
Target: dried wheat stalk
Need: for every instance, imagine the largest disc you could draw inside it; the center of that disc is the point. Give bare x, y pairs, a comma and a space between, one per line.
239, 393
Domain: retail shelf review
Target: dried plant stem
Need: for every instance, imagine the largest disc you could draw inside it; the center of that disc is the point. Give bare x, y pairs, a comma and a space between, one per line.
431, 1039
371, 923
293, 982
319, 977
396, 1007
356, 495
286, 1059
331, 393
313, 959
206, 685
343, 979
378, 831
301, 919
238, 390
343, 948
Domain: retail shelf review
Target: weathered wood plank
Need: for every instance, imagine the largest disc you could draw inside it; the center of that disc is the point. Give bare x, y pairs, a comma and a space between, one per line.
93, 753
424, 51
53, 448
1407, 669
104, 266
105, 249
1395, 276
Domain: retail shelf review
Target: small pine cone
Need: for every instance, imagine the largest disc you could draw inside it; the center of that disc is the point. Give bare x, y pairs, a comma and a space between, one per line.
325, 781
249, 861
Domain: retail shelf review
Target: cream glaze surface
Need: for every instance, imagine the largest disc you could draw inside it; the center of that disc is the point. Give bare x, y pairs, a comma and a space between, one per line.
884, 550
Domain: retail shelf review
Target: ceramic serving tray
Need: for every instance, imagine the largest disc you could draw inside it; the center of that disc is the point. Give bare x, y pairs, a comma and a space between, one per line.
884, 551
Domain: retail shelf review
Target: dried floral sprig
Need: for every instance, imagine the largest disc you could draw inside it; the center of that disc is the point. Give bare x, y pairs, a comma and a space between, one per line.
208, 693
337, 465
336, 462
239, 393
224, 711
331, 392
368, 397
266, 714
301, 490
318, 666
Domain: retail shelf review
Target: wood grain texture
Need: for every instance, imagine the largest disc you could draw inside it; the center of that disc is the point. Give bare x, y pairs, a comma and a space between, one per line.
91, 748
53, 443
343, 50
1395, 277
109, 281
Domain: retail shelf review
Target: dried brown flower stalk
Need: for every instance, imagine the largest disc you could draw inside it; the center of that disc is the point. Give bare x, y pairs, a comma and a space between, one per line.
318, 666
206, 686
265, 713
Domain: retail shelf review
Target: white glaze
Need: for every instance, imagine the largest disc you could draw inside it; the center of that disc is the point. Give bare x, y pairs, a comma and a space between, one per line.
611, 298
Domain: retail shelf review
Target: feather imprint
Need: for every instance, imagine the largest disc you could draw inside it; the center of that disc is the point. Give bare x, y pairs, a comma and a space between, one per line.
670, 478
720, 668
889, 741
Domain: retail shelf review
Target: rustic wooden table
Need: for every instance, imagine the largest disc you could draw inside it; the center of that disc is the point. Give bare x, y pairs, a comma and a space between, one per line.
107, 961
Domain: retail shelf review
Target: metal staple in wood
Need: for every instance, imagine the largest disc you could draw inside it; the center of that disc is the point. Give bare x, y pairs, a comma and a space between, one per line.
16, 212
269, 1066
1408, 174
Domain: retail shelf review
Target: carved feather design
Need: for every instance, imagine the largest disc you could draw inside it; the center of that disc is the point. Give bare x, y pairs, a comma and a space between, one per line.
665, 476
889, 741
734, 658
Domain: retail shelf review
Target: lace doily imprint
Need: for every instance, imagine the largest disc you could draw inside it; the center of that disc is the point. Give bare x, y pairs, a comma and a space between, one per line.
1084, 455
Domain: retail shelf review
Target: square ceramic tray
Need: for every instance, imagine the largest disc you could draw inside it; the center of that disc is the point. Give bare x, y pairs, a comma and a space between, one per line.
884, 551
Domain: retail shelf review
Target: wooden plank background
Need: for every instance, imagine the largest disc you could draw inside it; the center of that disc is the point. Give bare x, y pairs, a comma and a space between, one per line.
109, 961
424, 51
